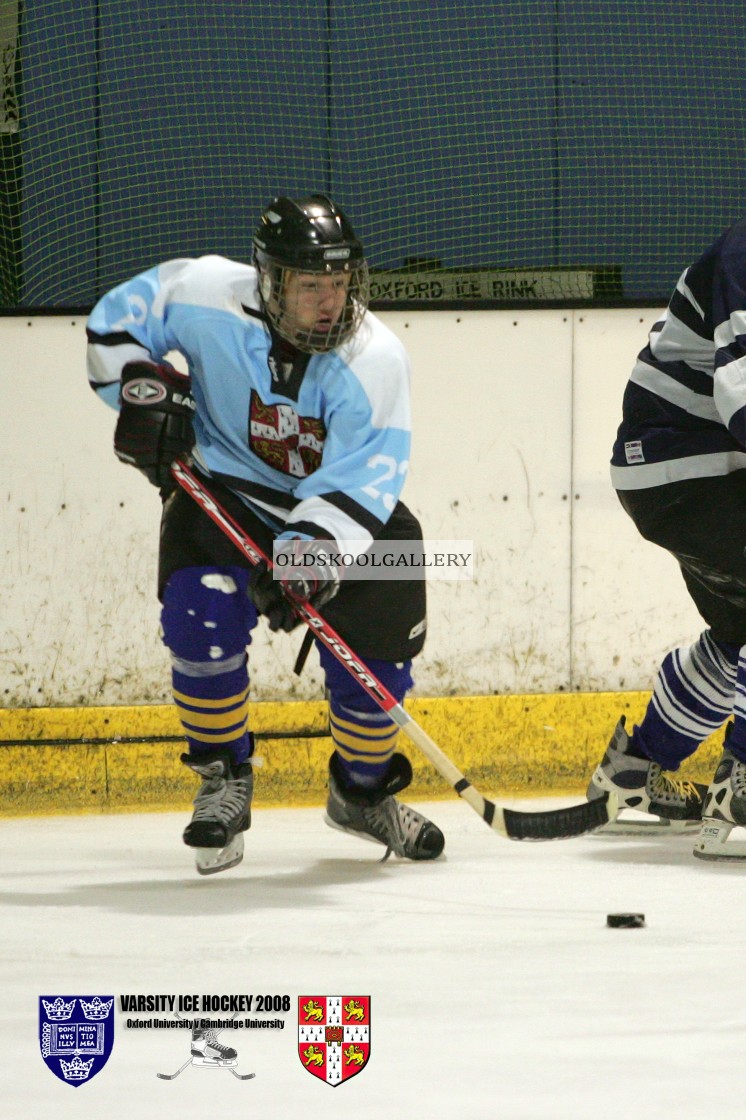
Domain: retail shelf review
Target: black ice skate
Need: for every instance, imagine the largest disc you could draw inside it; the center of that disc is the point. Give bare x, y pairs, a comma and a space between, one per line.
374, 814
724, 810
643, 785
222, 810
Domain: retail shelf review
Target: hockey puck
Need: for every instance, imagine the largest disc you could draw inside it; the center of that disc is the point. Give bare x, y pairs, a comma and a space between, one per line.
625, 921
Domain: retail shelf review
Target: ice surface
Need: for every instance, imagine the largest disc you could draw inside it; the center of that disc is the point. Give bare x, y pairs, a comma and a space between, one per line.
497, 989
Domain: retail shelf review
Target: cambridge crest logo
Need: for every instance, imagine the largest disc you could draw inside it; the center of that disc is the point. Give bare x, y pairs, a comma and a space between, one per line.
76, 1034
334, 1036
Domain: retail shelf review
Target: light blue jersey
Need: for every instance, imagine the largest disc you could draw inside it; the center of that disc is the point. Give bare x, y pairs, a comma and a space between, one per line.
320, 448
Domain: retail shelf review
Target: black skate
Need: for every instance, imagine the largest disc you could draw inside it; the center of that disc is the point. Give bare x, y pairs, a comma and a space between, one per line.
643, 785
374, 814
222, 810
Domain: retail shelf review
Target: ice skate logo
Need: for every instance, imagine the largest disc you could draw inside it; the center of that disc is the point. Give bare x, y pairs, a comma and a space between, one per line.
76, 1047
208, 1053
334, 1036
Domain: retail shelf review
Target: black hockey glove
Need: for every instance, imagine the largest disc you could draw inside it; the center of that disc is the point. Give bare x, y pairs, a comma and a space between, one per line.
310, 575
155, 420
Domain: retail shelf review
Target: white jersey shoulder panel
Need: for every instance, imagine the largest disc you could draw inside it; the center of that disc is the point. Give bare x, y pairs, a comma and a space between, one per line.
209, 282
380, 363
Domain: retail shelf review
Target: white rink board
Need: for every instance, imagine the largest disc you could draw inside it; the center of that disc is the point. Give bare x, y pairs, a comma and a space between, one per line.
629, 605
491, 463
515, 412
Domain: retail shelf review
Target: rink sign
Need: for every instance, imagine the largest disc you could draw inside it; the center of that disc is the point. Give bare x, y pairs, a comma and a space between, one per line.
76, 1034
428, 282
334, 1036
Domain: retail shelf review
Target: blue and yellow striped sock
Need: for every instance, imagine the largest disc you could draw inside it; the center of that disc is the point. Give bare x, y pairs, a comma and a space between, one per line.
214, 711
364, 742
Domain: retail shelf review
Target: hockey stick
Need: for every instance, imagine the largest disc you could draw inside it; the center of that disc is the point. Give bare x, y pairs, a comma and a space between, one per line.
171, 1076
551, 824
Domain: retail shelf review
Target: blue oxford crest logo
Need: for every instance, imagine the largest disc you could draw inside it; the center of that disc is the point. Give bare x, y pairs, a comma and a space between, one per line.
76, 1034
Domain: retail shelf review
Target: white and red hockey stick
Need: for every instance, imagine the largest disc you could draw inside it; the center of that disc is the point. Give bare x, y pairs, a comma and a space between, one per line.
551, 824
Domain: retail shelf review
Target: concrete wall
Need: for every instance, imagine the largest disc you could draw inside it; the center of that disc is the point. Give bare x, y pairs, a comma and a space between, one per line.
515, 413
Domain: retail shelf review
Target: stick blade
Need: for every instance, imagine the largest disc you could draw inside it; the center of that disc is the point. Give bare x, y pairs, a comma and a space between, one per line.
560, 824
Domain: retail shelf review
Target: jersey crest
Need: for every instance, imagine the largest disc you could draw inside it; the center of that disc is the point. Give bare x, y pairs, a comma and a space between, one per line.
284, 439
334, 1036
76, 1034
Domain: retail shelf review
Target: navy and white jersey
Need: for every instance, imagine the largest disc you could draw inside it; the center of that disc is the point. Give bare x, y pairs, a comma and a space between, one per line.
319, 447
684, 410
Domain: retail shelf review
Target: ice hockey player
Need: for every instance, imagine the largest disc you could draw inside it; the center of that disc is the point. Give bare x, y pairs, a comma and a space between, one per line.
296, 413
679, 468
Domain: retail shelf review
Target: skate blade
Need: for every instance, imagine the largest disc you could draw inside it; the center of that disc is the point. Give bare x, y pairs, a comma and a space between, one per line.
713, 843
647, 826
210, 861
215, 1063
640, 823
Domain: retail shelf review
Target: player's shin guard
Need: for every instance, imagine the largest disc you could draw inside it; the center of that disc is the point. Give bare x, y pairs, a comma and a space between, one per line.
206, 620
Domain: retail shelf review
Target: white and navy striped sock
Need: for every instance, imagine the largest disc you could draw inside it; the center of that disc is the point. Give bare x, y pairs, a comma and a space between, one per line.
693, 696
737, 736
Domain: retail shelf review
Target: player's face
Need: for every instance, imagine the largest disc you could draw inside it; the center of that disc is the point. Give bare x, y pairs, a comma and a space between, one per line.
314, 303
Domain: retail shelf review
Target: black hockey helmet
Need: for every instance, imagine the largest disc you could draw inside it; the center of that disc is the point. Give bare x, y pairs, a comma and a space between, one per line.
309, 235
